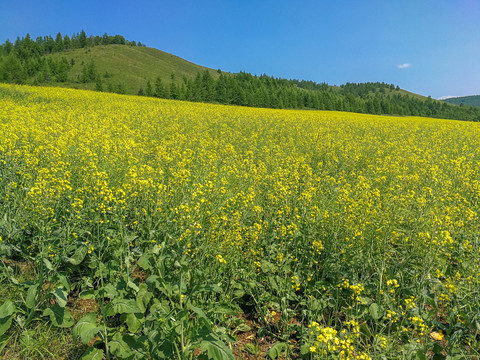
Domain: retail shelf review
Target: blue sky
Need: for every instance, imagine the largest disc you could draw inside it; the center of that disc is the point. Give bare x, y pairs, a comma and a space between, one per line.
427, 47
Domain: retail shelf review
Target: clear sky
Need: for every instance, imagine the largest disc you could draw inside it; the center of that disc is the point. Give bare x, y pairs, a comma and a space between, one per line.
430, 47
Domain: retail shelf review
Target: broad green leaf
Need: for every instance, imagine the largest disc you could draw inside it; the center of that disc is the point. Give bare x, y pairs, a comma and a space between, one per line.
59, 316
61, 296
216, 350
134, 322
7, 309
375, 311
198, 311
226, 309
5, 324
421, 355
5, 250
268, 266
365, 330
122, 306
48, 264
238, 293
132, 285
210, 288
87, 294
31, 296
86, 328
118, 347
144, 262
305, 349
243, 328
78, 257
109, 291
93, 354
278, 349
143, 297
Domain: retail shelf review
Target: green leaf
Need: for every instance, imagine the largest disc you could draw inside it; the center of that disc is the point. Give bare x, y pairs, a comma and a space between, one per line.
421, 355
7, 309
132, 285
118, 347
86, 328
305, 349
365, 330
48, 264
198, 311
78, 257
61, 296
122, 306
31, 295
5, 324
226, 309
87, 294
144, 262
216, 350
210, 288
243, 328
268, 266
134, 322
375, 311
109, 291
92, 354
278, 349
59, 316
5, 250
143, 297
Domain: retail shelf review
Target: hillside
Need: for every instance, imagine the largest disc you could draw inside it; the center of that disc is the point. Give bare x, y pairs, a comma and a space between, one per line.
133, 66
473, 100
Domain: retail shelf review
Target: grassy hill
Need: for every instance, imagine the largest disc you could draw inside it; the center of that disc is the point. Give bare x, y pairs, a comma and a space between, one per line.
131, 65
473, 100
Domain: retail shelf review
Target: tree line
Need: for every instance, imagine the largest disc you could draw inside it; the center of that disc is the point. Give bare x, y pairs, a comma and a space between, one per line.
265, 91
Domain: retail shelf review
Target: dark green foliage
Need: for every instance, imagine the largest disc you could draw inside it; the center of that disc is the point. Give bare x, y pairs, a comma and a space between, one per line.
89, 72
82, 39
98, 84
265, 91
465, 100
12, 70
159, 88
148, 89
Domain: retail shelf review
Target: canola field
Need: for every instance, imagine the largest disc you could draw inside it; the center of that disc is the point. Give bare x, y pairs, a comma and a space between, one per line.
150, 228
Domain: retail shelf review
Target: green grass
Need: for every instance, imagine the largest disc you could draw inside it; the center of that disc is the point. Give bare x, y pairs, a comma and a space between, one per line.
130, 65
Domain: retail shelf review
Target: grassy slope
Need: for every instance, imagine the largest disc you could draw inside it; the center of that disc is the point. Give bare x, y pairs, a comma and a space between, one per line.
130, 65
473, 100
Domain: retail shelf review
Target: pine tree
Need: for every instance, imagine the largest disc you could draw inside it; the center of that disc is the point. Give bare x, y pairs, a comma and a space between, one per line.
98, 84
148, 90
59, 46
159, 88
82, 39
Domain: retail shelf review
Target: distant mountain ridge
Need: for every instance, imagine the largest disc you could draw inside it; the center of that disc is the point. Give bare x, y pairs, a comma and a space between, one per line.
472, 100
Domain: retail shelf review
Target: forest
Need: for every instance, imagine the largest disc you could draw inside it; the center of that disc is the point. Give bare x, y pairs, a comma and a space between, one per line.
27, 61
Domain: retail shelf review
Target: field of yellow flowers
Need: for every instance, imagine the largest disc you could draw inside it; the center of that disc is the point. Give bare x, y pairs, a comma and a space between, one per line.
217, 232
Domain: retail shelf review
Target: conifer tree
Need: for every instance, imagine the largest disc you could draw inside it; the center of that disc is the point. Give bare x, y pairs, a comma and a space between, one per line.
148, 89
